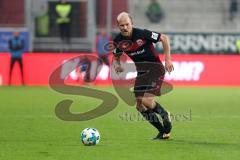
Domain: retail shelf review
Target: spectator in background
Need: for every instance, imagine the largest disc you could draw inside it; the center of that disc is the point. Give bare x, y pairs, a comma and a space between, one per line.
63, 10
154, 12
16, 47
102, 39
42, 21
238, 45
233, 9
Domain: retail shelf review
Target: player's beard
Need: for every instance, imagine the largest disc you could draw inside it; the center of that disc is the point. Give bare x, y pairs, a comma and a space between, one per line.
126, 33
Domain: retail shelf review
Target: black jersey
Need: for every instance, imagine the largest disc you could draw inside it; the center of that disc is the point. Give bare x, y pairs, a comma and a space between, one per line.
139, 47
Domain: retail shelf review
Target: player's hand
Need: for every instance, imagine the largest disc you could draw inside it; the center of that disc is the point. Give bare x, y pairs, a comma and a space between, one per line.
118, 69
169, 66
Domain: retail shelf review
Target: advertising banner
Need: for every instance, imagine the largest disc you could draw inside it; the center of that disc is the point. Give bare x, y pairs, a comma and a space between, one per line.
212, 70
194, 70
197, 43
4, 68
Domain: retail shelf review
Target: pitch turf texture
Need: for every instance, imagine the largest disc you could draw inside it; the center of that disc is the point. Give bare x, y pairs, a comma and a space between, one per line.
206, 126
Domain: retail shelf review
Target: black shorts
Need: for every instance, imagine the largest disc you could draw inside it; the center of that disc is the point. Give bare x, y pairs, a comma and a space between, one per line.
149, 83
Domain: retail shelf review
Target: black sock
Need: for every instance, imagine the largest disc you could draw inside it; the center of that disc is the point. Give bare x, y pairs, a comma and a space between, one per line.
152, 118
159, 109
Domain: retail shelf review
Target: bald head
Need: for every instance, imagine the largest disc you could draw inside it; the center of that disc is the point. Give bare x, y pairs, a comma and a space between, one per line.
16, 34
125, 24
123, 15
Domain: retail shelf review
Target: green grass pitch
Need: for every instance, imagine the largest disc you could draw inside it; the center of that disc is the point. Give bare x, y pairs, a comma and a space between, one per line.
206, 126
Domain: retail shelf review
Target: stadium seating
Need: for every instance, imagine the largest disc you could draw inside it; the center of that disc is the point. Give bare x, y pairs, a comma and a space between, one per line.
187, 16
12, 13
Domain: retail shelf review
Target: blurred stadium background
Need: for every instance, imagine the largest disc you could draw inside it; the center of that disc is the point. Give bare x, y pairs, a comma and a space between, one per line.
194, 27
180, 16
205, 42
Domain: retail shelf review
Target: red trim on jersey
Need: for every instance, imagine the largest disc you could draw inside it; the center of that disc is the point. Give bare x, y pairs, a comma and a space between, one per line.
135, 46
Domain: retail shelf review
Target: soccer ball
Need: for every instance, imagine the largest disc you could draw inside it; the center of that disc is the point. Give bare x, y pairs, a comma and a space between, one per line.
90, 136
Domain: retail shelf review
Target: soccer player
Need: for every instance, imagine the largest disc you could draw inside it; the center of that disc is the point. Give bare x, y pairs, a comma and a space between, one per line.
138, 45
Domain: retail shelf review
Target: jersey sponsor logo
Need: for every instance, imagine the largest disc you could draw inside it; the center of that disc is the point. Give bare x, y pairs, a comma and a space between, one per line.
137, 52
139, 42
155, 35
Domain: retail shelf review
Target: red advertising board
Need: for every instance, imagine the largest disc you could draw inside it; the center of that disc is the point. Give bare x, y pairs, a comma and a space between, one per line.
210, 70
38, 67
4, 68
214, 70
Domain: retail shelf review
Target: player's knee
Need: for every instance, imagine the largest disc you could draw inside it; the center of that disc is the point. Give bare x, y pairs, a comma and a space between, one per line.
148, 102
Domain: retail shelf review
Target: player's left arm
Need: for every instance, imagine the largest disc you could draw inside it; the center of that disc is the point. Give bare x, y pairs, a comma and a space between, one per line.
166, 48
